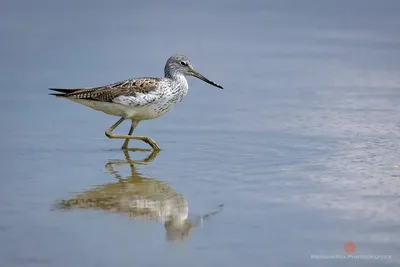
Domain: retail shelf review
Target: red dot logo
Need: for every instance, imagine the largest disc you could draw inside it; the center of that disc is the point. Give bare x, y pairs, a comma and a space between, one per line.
350, 247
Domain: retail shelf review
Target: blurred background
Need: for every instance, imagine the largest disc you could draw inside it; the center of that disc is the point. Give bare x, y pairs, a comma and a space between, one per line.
301, 148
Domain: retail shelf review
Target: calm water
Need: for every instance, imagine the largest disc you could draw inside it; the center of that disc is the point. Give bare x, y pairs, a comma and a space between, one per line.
301, 149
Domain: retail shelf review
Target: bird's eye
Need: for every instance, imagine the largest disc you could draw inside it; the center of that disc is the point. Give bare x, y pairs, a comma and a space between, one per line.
183, 63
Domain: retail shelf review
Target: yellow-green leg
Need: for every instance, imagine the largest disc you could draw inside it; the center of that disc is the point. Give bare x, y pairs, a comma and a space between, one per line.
133, 126
145, 139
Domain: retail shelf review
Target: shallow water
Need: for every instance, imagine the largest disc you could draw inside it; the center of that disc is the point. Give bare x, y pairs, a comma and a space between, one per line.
299, 154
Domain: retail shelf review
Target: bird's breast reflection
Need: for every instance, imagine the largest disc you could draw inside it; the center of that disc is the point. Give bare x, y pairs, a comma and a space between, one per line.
140, 198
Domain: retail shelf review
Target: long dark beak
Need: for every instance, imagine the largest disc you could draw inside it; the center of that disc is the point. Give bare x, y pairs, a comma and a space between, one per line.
201, 77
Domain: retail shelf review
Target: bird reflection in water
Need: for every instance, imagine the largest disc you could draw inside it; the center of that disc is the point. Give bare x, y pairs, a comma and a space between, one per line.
140, 197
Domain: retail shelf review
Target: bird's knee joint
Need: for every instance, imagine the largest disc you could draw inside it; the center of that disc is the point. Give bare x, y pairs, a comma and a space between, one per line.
108, 133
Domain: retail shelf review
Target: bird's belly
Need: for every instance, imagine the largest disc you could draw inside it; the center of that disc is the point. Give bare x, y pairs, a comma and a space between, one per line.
106, 107
146, 112
151, 111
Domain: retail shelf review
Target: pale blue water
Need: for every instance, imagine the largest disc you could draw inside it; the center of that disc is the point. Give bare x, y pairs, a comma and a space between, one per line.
301, 148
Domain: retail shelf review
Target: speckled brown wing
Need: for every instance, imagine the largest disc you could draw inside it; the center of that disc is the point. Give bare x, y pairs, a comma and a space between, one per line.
109, 92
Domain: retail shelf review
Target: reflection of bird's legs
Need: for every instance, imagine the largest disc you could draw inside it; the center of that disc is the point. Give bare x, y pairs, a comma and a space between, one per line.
131, 162
145, 139
128, 160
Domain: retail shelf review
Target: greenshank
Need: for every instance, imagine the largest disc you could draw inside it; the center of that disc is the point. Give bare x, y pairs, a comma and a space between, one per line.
138, 99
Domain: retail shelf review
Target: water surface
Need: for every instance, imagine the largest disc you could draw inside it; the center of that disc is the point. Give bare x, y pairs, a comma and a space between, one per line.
301, 148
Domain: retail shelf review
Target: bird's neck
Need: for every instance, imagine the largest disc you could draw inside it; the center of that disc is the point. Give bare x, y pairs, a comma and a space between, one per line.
177, 77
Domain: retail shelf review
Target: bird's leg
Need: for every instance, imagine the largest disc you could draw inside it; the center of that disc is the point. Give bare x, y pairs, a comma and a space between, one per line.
109, 131
145, 139
133, 126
